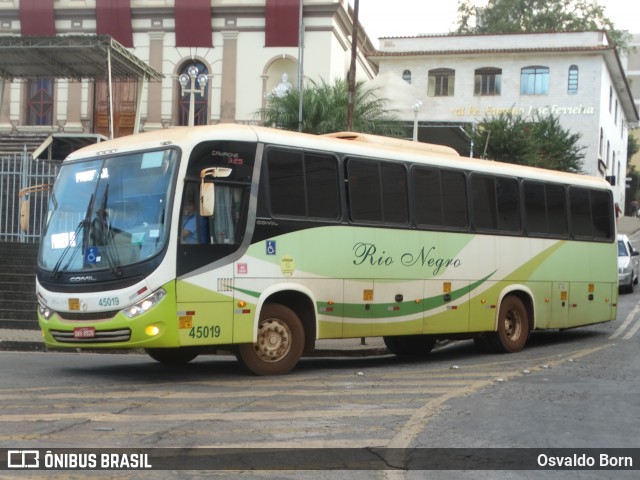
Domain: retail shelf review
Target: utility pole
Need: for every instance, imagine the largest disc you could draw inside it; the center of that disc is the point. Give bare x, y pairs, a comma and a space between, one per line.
352, 68
300, 62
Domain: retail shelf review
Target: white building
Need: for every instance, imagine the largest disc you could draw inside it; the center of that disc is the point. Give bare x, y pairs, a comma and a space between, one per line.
461, 80
631, 64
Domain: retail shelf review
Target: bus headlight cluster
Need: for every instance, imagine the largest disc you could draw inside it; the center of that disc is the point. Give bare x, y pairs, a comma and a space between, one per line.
45, 312
145, 304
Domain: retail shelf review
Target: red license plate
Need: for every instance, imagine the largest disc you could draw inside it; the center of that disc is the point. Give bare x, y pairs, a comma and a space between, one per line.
84, 332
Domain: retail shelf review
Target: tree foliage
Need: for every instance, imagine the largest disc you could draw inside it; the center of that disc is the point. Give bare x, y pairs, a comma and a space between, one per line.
633, 147
541, 142
324, 110
530, 16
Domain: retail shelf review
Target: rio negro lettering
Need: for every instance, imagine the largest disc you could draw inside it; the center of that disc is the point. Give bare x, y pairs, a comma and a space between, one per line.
368, 254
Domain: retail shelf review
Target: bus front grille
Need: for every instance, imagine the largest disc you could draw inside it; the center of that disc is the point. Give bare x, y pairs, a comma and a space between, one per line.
101, 336
84, 316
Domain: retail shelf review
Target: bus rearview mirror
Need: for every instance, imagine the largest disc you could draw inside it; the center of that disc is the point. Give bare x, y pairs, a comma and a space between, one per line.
207, 199
207, 190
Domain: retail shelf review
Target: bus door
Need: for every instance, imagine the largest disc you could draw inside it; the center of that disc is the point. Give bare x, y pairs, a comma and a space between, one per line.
446, 306
399, 309
359, 298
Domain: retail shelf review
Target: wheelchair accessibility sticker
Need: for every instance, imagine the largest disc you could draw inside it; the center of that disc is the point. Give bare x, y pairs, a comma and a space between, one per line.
271, 247
92, 255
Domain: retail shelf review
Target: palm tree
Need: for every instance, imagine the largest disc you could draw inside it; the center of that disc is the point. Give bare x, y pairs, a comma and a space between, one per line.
324, 110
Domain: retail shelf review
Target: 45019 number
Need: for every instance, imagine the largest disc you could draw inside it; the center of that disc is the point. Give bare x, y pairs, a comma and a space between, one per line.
109, 302
205, 331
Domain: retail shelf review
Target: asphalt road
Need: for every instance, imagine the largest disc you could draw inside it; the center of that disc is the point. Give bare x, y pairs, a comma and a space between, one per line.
573, 389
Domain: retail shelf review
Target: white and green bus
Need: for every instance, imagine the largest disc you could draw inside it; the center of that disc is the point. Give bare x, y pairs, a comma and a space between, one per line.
263, 242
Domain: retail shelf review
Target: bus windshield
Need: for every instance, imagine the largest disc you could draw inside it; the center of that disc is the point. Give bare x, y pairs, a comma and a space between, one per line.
109, 212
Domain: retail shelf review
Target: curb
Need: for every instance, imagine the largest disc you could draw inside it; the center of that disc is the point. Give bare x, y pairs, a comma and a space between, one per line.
10, 345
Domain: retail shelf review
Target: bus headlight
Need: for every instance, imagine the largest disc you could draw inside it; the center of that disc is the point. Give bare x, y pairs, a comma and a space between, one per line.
145, 304
45, 312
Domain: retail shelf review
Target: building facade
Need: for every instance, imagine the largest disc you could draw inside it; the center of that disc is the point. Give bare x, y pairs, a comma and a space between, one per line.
631, 64
244, 48
457, 81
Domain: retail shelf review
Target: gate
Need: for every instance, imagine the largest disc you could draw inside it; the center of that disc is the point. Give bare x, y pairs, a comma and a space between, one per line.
24, 195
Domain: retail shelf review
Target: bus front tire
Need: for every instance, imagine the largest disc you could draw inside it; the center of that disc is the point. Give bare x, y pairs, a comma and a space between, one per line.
175, 356
410, 345
513, 326
279, 345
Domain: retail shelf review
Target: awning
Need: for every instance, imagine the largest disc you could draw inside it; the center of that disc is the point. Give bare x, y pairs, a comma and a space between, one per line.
58, 145
76, 57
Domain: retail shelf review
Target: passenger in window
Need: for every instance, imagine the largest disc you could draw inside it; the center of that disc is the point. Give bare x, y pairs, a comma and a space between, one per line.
189, 226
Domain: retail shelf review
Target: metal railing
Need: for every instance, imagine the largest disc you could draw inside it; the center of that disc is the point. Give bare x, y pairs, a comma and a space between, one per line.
24, 195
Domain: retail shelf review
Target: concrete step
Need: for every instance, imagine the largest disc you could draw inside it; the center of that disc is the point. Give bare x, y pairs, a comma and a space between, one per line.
17, 283
19, 324
18, 303
26, 295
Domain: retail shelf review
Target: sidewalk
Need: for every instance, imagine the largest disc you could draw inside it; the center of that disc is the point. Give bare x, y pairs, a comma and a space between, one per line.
628, 225
21, 340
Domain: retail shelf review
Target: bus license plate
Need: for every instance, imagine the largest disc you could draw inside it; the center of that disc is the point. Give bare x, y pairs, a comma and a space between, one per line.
84, 332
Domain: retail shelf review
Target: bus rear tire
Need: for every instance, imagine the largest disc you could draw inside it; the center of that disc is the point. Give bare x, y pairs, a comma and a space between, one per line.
279, 344
175, 356
513, 326
410, 345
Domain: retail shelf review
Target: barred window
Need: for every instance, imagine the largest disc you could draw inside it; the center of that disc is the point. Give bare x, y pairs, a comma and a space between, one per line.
572, 84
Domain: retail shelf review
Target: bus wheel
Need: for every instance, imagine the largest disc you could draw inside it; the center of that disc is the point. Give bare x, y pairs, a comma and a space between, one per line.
176, 356
513, 326
410, 345
279, 345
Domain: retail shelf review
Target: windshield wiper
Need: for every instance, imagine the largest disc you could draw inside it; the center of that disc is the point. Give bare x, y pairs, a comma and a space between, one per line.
82, 226
110, 251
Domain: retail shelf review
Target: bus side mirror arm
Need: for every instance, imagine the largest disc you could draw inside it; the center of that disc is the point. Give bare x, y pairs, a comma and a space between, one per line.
207, 190
25, 204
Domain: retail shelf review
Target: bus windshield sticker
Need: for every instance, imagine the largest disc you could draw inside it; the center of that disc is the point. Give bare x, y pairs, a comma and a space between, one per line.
92, 255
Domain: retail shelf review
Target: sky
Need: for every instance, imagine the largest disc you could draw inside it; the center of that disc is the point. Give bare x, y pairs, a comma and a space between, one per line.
396, 18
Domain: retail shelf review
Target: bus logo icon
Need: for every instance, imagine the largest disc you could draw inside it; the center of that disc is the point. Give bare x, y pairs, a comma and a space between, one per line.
271, 247
23, 459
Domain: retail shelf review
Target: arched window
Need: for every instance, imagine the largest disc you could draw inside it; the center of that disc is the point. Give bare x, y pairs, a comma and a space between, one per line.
534, 81
40, 102
572, 84
406, 76
200, 100
487, 81
441, 82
